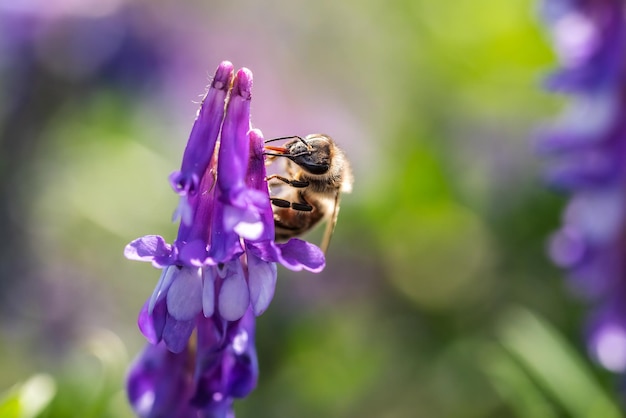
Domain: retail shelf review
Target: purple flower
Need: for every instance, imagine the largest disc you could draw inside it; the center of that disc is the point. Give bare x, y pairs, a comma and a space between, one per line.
220, 272
588, 148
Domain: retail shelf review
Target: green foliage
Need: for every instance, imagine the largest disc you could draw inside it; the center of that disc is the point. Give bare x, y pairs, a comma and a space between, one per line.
28, 399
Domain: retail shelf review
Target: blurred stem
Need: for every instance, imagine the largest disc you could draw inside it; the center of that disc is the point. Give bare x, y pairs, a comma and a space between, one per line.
554, 365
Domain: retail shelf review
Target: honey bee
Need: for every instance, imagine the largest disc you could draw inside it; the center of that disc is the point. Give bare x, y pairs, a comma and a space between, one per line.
318, 172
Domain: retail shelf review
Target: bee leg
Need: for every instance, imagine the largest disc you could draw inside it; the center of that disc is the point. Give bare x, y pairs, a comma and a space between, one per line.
282, 203
302, 207
293, 183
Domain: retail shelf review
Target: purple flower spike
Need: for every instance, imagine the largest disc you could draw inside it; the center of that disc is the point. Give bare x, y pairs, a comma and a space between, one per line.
588, 145
204, 133
219, 273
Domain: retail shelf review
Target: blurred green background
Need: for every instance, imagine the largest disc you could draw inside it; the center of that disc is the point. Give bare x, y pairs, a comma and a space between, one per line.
437, 299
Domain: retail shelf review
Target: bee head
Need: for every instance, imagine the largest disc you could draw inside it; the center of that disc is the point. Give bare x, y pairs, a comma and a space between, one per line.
313, 154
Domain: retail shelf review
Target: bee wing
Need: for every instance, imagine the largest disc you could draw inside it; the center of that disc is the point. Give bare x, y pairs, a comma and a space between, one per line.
330, 225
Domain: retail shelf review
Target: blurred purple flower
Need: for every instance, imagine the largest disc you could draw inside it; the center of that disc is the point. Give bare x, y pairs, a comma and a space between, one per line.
116, 48
588, 145
218, 365
159, 384
220, 272
54, 57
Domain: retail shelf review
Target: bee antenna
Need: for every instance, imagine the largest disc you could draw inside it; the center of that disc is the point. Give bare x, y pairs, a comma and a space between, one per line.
274, 154
289, 156
288, 137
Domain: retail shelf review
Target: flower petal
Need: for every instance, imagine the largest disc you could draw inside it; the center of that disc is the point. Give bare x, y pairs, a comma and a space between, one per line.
204, 133
255, 180
225, 244
208, 291
176, 333
184, 297
244, 216
234, 146
261, 282
145, 324
249, 230
244, 373
158, 385
151, 324
183, 211
149, 248
193, 253
226, 365
183, 183
164, 283
297, 254
234, 296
